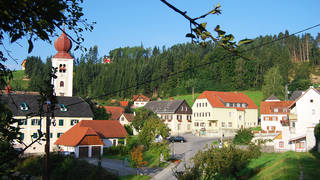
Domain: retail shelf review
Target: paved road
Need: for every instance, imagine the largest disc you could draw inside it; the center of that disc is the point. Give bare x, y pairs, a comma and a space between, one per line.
113, 165
184, 151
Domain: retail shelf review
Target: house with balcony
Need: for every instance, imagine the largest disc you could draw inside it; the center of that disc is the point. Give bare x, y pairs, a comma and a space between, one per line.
298, 132
274, 113
221, 114
176, 114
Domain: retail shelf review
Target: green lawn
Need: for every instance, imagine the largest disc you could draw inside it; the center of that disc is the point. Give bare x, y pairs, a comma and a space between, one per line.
134, 177
17, 82
256, 96
188, 98
152, 160
283, 166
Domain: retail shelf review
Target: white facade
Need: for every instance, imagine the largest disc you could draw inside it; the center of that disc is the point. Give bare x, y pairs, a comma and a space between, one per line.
271, 122
177, 123
63, 82
138, 104
216, 121
30, 128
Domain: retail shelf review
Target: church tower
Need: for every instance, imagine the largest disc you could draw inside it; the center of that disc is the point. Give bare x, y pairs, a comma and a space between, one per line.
64, 64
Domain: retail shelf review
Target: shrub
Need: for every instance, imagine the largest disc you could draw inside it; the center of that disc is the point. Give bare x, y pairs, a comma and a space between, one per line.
317, 134
116, 150
132, 142
243, 136
129, 129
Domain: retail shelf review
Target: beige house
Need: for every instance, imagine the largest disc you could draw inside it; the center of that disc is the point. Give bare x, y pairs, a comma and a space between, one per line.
25, 107
176, 114
222, 113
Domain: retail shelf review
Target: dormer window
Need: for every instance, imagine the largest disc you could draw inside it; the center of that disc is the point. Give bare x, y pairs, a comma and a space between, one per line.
24, 107
275, 110
227, 104
63, 108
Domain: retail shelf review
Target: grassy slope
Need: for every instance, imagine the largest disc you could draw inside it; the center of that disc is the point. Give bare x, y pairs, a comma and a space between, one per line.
256, 97
134, 177
284, 166
17, 83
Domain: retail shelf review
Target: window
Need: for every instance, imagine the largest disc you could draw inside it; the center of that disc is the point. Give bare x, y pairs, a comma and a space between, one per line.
266, 118
60, 122
61, 84
188, 127
121, 141
114, 142
275, 110
179, 126
274, 118
238, 105
35, 122
230, 114
179, 117
62, 68
281, 144
199, 104
59, 134
209, 124
196, 124
24, 107
122, 118
209, 114
227, 104
293, 124
284, 118
223, 124
313, 111
51, 135
202, 124
63, 108
21, 136
34, 135
206, 104
73, 121
285, 110
240, 117
229, 124
22, 122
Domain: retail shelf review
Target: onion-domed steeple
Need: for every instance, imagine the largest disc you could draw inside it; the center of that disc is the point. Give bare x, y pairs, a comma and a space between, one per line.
63, 46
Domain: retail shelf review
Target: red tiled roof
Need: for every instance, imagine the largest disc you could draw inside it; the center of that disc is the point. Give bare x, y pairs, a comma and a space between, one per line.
217, 98
140, 97
115, 111
266, 107
80, 133
129, 116
124, 103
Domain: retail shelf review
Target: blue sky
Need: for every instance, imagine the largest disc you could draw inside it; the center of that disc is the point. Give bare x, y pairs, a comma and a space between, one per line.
123, 23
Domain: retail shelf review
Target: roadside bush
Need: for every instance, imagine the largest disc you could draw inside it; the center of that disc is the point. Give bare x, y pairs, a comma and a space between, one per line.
116, 150
317, 135
219, 163
62, 167
243, 136
132, 142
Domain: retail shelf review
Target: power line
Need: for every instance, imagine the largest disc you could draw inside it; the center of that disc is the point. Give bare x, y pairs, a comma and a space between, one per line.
188, 69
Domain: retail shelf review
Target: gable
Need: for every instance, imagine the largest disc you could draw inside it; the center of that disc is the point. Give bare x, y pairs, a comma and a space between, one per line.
184, 108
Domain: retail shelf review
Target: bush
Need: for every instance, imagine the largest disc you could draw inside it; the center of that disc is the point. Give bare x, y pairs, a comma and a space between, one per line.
132, 142
116, 150
129, 129
62, 167
243, 136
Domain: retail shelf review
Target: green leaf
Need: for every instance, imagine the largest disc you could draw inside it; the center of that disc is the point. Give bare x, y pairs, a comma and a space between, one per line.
30, 46
245, 41
221, 33
218, 5
204, 25
190, 35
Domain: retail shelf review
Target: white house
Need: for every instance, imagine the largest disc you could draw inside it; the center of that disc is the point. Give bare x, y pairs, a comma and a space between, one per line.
176, 114
273, 112
140, 100
25, 108
298, 133
88, 138
223, 113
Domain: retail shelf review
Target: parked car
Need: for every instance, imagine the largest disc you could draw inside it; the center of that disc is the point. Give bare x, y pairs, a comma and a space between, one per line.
176, 139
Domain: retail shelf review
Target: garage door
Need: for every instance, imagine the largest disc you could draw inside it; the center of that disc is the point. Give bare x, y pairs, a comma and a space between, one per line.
96, 151
83, 152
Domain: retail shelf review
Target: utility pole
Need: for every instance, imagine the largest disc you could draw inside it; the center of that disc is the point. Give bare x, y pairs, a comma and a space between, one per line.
47, 146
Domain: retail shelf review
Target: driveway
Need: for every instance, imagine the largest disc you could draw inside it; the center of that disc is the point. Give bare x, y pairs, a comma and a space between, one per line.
184, 151
115, 166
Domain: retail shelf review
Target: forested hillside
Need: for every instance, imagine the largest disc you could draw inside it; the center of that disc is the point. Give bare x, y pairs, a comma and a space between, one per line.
176, 70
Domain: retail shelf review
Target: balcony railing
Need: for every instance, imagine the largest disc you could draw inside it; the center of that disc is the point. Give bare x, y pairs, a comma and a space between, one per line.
285, 122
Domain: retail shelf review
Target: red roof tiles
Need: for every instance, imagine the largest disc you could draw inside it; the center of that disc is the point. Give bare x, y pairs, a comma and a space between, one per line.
129, 116
267, 107
217, 99
90, 131
124, 103
115, 111
140, 97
